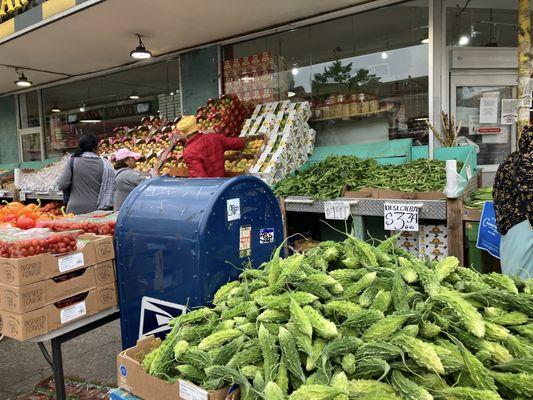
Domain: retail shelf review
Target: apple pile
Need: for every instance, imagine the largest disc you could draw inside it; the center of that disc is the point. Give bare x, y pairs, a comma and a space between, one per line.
224, 115
17, 243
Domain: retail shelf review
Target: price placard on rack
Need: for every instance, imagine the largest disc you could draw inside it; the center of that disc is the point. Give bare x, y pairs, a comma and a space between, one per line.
401, 217
339, 210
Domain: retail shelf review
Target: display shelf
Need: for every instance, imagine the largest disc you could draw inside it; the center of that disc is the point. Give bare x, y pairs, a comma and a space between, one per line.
41, 195
429, 209
7, 194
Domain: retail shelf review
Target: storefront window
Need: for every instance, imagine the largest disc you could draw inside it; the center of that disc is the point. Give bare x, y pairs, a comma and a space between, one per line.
29, 110
99, 105
366, 75
482, 23
31, 146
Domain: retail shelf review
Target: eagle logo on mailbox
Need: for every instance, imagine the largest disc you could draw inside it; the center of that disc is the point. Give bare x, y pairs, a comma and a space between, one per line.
156, 314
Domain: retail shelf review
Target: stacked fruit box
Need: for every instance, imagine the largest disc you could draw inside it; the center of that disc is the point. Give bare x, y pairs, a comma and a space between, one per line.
256, 79
54, 279
289, 138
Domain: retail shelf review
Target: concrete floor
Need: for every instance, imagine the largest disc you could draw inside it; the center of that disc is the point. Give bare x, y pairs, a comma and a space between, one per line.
91, 357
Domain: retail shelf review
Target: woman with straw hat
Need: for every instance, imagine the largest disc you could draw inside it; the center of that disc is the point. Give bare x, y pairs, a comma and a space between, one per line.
204, 152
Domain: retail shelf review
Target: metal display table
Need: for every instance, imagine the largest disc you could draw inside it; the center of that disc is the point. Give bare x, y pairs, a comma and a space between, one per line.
64, 334
429, 209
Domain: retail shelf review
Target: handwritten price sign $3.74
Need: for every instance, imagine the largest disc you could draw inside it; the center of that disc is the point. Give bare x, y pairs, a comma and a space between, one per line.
401, 217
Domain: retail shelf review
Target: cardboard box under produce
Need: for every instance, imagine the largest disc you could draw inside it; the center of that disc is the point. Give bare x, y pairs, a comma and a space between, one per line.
53, 316
92, 249
131, 377
21, 299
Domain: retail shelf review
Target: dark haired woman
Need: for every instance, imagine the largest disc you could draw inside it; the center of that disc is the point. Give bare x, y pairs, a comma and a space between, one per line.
89, 178
513, 204
126, 178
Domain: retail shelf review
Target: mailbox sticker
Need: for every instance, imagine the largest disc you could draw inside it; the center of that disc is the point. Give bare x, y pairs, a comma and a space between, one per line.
266, 235
234, 209
245, 241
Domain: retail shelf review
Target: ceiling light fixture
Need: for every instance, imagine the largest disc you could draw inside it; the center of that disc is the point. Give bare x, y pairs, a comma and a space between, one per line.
82, 106
294, 71
425, 41
90, 121
140, 52
55, 109
464, 40
22, 80
384, 55
134, 96
291, 94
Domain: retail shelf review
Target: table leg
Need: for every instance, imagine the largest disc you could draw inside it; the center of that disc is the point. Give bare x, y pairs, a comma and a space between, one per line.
59, 378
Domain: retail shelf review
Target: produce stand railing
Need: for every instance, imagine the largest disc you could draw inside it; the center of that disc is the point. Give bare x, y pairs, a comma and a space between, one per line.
429, 209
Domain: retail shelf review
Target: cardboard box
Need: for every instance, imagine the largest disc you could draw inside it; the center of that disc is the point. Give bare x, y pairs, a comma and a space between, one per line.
301, 245
53, 316
23, 271
103, 246
131, 377
22, 299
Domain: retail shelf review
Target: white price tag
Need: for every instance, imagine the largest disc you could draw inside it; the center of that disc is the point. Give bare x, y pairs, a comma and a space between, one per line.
69, 262
22, 196
188, 391
73, 312
401, 217
339, 210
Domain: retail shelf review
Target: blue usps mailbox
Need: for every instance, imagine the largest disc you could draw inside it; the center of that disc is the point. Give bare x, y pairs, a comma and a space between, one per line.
179, 240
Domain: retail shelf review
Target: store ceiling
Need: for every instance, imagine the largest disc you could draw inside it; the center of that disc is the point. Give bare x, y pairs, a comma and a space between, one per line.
101, 37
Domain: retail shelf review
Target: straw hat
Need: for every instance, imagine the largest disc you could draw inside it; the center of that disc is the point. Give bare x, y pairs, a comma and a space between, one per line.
187, 125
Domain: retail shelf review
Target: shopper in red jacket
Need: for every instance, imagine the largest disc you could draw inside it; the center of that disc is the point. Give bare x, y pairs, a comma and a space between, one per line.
204, 152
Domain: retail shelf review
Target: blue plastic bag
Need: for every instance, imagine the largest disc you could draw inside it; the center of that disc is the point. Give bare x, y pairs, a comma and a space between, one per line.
488, 237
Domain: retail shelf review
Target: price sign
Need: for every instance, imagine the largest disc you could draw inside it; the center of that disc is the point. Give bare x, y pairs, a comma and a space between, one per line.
22, 196
339, 210
401, 217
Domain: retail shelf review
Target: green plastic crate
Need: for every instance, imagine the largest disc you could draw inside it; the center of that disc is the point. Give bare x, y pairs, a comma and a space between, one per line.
390, 152
31, 165
474, 254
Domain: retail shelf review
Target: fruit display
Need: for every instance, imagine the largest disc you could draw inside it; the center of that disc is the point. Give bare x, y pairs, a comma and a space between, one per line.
238, 165
30, 215
289, 140
353, 321
153, 143
224, 115
18, 243
43, 180
327, 179
477, 199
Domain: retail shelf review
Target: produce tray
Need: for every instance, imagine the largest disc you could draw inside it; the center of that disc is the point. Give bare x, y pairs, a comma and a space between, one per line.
430, 209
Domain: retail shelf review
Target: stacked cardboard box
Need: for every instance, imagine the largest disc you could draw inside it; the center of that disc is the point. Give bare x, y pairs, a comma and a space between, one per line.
431, 241
44, 292
259, 78
289, 138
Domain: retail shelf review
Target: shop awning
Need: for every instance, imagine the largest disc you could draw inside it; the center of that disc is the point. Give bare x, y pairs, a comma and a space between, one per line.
101, 35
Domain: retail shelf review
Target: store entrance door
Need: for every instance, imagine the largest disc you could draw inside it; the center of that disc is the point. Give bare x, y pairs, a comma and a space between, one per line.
476, 99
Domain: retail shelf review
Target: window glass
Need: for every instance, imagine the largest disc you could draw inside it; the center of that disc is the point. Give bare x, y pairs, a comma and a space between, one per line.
29, 110
99, 105
31, 146
482, 23
364, 83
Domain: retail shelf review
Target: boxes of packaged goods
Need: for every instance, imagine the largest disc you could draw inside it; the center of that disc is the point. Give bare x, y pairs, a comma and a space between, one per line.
52, 316
43, 291
132, 377
433, 241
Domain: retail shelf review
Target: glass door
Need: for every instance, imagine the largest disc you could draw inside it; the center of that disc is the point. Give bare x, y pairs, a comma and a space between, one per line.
29, 126
476, 102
